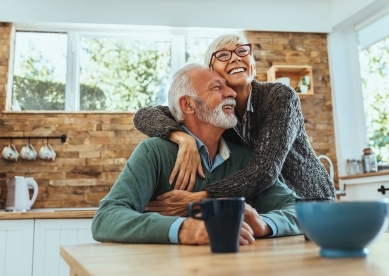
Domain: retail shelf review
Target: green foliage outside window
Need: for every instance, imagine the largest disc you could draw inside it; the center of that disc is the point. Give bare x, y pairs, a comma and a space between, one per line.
131, 73
375, 81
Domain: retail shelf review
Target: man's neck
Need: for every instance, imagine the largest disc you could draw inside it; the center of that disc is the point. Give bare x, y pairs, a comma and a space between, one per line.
208, 134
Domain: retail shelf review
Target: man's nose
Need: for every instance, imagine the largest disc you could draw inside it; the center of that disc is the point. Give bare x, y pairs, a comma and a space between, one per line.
230, 93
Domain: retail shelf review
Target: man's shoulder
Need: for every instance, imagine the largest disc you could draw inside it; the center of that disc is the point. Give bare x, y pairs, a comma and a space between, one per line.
238, 150
156, 142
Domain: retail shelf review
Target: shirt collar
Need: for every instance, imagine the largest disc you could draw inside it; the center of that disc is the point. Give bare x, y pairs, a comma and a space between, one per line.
250, 104
222, 155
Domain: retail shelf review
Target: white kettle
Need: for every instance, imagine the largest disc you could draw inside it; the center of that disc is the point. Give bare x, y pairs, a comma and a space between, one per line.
18, 197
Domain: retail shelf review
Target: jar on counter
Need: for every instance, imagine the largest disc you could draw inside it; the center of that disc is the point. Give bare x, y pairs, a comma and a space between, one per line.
352, 167
369, 161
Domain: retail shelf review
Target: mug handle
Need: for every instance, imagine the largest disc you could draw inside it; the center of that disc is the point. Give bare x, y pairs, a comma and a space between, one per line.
31, 147
192, 214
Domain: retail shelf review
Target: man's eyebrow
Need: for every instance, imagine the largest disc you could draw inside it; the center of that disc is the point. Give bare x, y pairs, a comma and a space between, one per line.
216, 82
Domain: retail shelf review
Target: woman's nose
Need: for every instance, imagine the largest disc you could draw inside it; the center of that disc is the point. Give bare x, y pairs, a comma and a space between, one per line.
234, 57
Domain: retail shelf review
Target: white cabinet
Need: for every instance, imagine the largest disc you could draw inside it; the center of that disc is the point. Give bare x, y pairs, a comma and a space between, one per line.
16, 247
31, 246
369, 186
49, 235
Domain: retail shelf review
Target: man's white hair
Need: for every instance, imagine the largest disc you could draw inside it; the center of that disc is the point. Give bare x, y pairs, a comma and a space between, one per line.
181, 86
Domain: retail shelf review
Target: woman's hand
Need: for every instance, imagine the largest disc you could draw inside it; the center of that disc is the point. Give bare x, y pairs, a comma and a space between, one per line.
174, 203
188, 161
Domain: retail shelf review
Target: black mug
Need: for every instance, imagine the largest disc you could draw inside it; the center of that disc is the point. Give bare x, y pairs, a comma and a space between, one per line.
299, 200
223, 218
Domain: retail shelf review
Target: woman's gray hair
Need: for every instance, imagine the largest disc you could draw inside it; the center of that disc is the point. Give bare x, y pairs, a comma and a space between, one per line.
181, 86
222, 41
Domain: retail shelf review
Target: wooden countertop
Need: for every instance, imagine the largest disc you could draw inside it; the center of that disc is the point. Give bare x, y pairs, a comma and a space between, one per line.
385, 172
291, 256
48, 213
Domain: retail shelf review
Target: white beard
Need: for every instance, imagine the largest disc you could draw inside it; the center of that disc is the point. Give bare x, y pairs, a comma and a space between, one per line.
216, 116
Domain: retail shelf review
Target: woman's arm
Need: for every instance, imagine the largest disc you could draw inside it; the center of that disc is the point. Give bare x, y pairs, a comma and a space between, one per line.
281, 122
159, 122
156, 121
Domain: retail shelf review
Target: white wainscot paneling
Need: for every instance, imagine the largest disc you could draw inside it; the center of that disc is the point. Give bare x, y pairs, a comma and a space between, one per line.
50, 234
16, 247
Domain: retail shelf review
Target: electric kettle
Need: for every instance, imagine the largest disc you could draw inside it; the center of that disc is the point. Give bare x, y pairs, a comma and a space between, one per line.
18, 196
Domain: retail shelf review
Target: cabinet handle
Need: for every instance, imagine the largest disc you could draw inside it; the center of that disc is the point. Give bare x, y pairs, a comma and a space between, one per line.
382, 189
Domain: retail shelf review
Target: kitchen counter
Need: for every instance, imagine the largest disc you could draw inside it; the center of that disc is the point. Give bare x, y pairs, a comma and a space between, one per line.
50, 213
362, 175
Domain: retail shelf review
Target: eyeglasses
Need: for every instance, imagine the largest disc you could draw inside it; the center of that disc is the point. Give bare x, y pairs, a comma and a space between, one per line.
225, 55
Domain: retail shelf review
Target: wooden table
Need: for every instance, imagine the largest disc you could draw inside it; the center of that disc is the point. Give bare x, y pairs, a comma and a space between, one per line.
276, 256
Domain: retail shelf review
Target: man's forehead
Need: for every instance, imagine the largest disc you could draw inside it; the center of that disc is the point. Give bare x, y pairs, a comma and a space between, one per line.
205, 74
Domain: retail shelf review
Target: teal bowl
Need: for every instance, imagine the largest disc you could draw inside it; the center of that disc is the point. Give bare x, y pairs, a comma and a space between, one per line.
342, 229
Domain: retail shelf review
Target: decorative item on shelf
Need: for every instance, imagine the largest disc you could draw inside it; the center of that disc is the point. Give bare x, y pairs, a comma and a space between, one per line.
283, 80
369, 161
298, 75
352, 167
303, 85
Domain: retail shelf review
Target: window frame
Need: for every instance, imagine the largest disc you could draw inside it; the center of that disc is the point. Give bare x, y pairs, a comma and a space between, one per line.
75, 32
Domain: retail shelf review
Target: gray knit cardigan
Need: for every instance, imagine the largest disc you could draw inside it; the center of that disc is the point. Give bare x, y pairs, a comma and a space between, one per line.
281, 147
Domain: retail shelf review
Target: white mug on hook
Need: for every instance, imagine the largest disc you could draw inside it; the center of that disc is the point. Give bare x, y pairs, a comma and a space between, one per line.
47, 153
28, 152
10, 153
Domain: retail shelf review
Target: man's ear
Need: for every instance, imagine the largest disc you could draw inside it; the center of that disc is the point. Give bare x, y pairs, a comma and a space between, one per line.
187, 105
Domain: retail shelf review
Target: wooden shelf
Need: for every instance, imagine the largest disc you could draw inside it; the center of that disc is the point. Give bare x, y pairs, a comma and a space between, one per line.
294, 73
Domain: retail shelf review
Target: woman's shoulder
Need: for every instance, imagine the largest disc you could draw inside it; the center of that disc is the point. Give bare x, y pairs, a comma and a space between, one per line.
272, 90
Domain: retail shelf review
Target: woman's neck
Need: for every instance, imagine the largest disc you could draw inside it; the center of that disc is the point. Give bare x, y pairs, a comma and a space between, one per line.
242, 97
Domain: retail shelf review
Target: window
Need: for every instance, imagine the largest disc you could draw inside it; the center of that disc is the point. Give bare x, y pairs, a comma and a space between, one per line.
89, 70
374, 62
39, 71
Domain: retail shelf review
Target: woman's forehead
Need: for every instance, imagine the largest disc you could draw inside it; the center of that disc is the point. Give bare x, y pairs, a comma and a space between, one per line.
230, 45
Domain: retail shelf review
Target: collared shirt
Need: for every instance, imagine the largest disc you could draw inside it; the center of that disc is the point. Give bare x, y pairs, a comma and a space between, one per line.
243, 127
222, 155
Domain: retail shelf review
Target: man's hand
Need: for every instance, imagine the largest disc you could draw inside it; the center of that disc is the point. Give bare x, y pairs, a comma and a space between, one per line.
252, 218
174, 203
193, 231
188, 161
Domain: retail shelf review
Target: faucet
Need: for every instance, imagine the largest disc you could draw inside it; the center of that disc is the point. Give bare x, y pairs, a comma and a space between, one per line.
330, 164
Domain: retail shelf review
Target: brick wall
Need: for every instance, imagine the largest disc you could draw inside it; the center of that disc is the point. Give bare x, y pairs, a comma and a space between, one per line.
98, 144
303, 49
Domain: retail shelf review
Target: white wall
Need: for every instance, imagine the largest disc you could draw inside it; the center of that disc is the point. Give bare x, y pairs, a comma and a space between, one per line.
265, 15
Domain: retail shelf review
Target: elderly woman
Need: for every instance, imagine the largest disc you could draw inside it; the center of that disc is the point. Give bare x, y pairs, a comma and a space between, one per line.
270, 122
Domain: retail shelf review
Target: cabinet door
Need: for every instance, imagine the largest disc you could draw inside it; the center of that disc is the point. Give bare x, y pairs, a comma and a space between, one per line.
49, 235
16, 247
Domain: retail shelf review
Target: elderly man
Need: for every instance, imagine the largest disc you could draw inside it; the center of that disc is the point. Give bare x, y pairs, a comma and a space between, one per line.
200, 99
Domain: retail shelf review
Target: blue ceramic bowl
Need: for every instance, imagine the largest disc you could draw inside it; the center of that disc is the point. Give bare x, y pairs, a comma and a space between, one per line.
342, 229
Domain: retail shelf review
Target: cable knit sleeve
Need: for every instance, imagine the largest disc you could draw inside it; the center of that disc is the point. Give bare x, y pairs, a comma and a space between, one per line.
156, 121
279, 121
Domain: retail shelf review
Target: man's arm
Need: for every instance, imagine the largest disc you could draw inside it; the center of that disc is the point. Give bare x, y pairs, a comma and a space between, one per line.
276, 203
120, 217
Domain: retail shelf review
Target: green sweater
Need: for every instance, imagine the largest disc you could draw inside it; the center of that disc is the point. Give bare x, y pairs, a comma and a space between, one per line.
121, 216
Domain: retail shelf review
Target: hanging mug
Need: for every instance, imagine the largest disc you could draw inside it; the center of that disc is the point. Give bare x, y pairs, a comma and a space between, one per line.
10, 153
28, 153
47, 153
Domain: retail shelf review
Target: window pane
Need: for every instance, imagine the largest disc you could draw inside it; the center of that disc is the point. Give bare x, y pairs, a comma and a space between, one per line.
39, 71
123, 74
195, 49
375, 80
